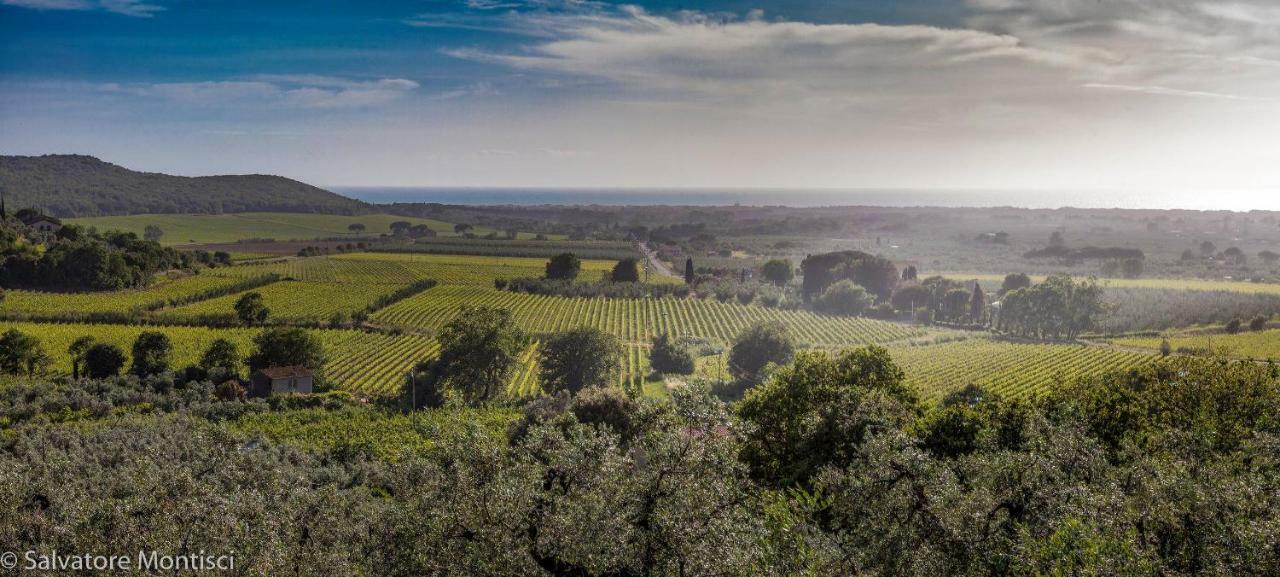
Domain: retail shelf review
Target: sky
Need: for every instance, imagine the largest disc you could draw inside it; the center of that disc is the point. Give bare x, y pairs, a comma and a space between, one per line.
1042, 96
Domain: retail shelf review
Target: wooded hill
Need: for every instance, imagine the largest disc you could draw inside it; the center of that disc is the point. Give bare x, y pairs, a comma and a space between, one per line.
78, 185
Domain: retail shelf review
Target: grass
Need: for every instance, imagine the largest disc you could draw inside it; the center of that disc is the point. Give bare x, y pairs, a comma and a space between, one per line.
221, 228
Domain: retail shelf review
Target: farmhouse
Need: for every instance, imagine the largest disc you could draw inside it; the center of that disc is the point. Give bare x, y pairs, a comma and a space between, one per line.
270, 380
42, 223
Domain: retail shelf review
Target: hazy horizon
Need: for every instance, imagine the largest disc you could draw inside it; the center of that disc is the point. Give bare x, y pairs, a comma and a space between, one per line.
810, 198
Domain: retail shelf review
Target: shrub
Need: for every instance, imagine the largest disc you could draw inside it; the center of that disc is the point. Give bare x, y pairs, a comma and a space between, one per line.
670, 357
1233, 326
758, 346
1258, 323
843, 298
103, 360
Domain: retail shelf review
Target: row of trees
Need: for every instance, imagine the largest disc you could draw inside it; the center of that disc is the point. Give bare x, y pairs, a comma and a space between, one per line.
480, 351
76, 259
1059, 307
152, 354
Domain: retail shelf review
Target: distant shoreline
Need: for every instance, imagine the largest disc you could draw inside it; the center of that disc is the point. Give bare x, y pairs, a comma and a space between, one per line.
1240, 202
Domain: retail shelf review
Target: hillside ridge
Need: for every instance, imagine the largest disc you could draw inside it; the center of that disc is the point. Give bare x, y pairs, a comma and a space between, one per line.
76, 185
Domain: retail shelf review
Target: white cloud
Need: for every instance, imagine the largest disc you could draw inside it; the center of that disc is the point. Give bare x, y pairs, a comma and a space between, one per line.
760, 62
288, 91
135, 8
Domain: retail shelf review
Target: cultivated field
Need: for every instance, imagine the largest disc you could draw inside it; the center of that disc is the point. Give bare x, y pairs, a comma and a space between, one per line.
1015, 370
400, 268
636, 320
1263, 345
221, 228
21, 302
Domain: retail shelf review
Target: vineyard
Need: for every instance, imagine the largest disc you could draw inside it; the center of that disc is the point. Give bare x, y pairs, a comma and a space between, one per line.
636, 320
1015, 370
359, 361
293, 301
405, 268
1264, 345
45, 303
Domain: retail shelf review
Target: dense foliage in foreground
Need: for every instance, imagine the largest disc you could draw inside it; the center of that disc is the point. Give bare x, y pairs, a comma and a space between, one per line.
831, 467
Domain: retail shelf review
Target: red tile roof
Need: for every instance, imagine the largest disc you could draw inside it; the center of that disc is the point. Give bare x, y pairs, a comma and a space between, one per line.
285, 372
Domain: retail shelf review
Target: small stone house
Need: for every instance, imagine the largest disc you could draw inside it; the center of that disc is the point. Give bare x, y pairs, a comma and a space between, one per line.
43, 223
271, 380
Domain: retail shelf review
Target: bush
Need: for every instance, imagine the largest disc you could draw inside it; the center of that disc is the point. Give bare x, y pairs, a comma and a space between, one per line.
843, 298
627, 270
669, 357
564, 266
1259, 323
1233, 326
103, 360
760, 345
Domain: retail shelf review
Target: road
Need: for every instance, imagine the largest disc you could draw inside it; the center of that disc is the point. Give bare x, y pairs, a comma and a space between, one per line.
655, 264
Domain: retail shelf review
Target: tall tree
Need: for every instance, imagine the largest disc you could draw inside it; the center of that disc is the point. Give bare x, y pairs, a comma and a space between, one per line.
76, 351
21, 353
688, 271
580, 358
759, 345
103, 360
977, 304
479, 350
627, 270
778, 271
564, 266
151, 353
287, 347
251, 309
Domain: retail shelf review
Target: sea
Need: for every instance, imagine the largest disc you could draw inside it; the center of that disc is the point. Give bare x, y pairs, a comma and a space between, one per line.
1239, 201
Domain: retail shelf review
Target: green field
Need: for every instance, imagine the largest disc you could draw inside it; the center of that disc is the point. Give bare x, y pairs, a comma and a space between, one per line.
1262, 345
1012, 370
1015, 370
1190, 284
399, 268
318, 288
222, 228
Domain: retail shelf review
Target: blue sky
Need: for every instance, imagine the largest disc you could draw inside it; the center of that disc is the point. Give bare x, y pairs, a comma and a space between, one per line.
1029, 94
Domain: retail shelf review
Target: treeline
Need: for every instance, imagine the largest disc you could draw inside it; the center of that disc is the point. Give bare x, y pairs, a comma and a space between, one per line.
76, 259
831, 467
1086, 253
1059, 307
595, 250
